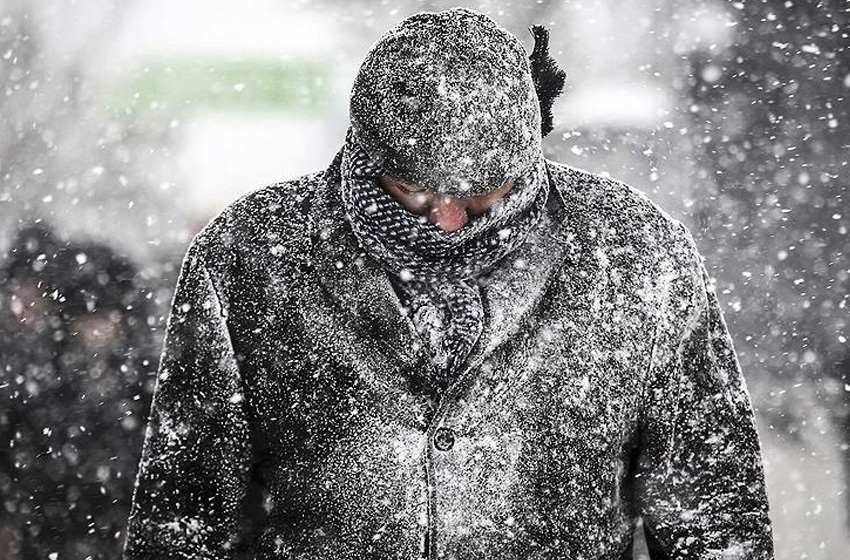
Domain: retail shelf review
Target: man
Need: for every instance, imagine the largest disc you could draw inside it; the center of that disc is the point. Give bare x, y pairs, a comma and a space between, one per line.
447, 346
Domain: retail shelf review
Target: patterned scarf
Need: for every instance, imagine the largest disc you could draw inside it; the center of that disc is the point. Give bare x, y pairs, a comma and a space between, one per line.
437, 273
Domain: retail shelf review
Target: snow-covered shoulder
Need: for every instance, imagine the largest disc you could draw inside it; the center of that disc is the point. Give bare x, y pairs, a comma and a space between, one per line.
272, 218
274, 221
628, 247
617, 214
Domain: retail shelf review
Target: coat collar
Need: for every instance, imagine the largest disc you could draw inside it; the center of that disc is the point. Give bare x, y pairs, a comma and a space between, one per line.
362, 289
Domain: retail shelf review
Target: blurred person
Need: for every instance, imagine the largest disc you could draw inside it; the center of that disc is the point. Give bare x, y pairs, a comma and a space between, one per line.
448, 346
73, 437
31, 333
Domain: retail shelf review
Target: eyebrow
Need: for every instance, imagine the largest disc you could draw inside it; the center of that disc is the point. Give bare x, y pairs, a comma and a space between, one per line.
407, 185
413, 187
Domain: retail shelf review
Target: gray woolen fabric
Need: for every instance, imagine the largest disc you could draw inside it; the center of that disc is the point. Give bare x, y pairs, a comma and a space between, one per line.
447, 100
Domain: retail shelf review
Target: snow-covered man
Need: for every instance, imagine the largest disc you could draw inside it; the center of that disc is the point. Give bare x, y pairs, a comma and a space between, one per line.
447, 346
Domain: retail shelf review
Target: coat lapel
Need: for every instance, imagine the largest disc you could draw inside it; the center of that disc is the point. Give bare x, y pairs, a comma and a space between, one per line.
517, 286
356, 282
361, 288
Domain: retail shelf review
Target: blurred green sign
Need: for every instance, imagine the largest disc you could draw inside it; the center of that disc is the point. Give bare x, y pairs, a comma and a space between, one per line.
185, 84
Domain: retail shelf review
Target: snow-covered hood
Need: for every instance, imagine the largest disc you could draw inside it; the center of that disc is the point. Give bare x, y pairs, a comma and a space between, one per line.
447, 100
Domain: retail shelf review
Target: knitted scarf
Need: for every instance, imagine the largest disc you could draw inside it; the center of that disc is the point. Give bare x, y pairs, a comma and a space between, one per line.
438, 273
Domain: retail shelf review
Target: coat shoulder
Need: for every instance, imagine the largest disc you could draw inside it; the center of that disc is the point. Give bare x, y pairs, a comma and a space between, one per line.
284, 203
620, 215
274, 220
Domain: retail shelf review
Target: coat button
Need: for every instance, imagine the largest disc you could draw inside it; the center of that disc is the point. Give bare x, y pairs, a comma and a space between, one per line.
444, 439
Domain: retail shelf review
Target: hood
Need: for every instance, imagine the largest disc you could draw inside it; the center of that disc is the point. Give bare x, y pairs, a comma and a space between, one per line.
447, 100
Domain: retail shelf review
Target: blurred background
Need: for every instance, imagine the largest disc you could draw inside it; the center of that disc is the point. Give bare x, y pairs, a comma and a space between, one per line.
127, 125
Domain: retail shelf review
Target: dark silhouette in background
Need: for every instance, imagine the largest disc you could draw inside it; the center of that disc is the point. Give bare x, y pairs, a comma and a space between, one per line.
78, 373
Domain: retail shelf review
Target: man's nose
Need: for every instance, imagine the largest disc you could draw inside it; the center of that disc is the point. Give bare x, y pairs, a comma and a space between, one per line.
449, 213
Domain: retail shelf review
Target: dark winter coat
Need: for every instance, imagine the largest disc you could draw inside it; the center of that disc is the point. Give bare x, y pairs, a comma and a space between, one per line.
289, 421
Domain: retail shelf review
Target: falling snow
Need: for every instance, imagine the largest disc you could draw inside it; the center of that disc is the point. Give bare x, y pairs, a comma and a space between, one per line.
194, 365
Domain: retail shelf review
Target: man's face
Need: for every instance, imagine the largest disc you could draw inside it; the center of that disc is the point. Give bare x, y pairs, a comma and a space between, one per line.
449, 213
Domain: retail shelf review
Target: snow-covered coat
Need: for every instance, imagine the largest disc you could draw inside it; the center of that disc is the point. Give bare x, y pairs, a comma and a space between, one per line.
288, 422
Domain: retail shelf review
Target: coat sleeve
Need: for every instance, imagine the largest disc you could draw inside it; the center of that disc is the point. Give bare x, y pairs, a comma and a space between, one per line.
193, 472
700, 481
